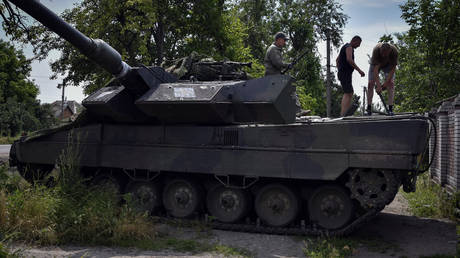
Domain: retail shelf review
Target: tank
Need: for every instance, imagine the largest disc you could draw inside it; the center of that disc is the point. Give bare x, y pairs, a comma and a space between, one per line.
230, 150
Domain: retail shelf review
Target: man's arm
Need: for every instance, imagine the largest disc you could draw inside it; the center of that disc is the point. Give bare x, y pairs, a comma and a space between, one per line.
351, 61
393, 69
389, 77
337, 62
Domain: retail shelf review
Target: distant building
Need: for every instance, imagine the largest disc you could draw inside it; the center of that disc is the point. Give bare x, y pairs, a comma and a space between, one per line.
71, 109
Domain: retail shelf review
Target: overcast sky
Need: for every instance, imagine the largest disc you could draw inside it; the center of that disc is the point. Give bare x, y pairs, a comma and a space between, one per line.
369, 19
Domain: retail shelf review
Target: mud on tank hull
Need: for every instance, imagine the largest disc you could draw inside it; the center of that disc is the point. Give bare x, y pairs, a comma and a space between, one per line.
328, 173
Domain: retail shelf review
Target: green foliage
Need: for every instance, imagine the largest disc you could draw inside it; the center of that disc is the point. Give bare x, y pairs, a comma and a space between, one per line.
345, 247
19, 109
429, 54
331, 248
4, 253
431, 200
186, 245
386, 38
10, 182
14, 69
8, 139
257, 16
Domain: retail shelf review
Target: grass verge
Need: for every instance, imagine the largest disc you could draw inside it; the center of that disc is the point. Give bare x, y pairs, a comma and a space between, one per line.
431, 200
186, 246
346, 247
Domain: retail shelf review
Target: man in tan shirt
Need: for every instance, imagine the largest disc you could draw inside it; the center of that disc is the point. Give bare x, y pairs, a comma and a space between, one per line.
384, 58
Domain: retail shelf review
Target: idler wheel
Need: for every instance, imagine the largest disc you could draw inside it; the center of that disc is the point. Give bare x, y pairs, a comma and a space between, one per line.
277, 205
228, 204
182, 198
145, 195
330, 206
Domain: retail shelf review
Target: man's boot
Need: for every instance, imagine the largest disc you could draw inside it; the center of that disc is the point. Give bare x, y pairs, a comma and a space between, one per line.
390, 110
369, 110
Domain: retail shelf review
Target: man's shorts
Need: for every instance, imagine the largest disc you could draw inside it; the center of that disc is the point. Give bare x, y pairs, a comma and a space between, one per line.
386, 70
345, 81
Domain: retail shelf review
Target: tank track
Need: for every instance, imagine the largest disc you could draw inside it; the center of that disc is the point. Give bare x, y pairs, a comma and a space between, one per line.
309, 230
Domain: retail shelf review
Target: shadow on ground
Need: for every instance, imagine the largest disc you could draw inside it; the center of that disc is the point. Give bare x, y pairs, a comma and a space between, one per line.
407, 236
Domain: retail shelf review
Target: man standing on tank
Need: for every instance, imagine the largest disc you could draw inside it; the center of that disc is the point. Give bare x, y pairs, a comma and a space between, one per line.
273, 60
346, 65
274, 64
384, 58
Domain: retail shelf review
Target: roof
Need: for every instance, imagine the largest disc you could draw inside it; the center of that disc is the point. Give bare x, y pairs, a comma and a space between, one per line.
72, 105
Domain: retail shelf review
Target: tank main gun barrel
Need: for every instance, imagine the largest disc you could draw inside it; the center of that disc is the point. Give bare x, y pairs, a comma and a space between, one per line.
95, 49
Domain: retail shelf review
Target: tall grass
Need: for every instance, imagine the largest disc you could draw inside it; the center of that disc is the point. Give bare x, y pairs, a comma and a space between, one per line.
431, 200
70, 212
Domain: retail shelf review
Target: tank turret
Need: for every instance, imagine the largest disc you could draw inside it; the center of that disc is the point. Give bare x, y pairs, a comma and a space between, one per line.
152, 95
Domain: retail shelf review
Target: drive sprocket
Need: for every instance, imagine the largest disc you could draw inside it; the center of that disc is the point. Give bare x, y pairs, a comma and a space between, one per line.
373, 188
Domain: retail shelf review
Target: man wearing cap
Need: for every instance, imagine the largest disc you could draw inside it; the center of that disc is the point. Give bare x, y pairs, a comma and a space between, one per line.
346, 65
273, 60
384, 58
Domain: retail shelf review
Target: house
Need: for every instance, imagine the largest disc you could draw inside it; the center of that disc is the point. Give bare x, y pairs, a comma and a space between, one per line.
71, 109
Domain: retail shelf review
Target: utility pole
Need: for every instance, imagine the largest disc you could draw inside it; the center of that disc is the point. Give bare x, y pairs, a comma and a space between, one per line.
364, 99
328, 76
62, 85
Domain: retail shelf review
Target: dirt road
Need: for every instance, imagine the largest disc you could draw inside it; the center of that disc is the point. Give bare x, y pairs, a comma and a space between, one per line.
393, 233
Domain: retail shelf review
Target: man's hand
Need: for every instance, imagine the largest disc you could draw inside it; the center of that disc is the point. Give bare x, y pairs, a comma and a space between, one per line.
361, 72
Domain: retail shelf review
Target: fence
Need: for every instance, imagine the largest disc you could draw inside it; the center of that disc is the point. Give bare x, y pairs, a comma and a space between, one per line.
445, 169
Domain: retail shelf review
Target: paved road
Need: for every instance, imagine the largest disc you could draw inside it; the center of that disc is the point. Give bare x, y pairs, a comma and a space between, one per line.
5, 149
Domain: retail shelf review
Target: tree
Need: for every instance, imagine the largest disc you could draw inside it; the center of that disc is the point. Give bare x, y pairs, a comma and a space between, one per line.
257, 17
19, 109
429, 54
14, 69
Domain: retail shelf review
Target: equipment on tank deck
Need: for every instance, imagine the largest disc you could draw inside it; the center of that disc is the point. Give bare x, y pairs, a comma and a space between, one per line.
229, 148
204, 68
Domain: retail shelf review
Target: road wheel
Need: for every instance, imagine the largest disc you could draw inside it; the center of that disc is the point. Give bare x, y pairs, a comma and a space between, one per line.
330, 206
145, 195
182, 198
276, 205
228, 204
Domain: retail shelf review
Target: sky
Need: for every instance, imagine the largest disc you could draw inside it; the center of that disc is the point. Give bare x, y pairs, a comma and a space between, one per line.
369, 19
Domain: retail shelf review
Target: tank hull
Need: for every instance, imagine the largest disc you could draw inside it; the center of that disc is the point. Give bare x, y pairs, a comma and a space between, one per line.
317, 150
